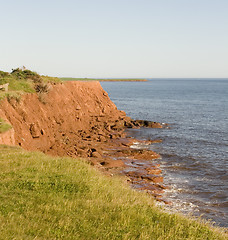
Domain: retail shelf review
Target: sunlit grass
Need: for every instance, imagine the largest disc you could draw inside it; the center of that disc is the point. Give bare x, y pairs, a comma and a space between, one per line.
4, 126
43, 197
48, 79
23, 81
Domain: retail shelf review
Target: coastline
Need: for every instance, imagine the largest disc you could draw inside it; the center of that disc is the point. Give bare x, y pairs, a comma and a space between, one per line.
85, 123
78, 119
193, 165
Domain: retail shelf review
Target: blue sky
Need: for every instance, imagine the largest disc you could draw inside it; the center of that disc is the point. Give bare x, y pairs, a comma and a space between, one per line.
116, 38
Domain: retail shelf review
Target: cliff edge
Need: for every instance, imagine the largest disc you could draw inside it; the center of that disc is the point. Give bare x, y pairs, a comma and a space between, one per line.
78, 119
71, 119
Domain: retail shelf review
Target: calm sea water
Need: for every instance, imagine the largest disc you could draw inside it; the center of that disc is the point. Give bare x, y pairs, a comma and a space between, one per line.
195, 148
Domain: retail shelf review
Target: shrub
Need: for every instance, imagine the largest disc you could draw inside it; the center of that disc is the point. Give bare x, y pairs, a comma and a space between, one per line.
18, 73
26, 74
4, 74
41, 87
13, 96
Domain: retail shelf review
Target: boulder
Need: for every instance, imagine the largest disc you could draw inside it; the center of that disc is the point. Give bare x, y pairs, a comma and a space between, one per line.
34, 130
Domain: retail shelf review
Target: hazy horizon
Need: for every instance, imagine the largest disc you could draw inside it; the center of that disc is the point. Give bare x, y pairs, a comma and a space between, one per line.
149, 78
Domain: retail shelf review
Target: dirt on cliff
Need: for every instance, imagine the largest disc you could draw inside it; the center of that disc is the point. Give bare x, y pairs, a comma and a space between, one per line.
78, 119
69, 120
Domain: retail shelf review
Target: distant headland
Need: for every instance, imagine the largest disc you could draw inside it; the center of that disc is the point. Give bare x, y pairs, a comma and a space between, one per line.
105, 79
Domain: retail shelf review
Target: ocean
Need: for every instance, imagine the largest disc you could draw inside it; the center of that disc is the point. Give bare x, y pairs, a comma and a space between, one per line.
194, 147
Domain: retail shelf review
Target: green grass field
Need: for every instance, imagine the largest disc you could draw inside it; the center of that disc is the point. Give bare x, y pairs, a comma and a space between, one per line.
105, 80
43, 197
4, 127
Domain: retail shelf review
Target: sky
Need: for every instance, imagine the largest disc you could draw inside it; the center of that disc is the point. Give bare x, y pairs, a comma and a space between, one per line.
116, 38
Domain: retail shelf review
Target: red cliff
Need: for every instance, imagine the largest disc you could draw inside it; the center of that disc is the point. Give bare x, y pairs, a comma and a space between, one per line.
69, 120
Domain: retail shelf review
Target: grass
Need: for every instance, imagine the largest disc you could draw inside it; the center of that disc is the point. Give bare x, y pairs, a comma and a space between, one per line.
4, 127
16, 87
105, 79
43, 197
23, 81
48, 79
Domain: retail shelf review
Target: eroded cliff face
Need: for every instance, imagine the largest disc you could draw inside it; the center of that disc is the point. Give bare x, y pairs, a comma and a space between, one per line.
72, 119
78, 119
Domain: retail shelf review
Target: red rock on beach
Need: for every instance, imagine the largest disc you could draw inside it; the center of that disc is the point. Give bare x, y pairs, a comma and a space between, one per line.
77, 119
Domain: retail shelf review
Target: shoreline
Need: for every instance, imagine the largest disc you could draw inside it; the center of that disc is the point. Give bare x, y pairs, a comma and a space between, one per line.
78, 119
62, 195
126, 157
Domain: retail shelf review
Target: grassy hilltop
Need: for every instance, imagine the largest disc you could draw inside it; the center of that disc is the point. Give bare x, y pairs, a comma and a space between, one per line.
24, 81
43, 197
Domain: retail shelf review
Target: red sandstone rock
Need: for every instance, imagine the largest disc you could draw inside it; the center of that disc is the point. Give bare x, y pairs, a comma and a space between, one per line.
153, 178
113, 164
96, 155
78, 119
154, 171
34, 130
70, 108
144, 123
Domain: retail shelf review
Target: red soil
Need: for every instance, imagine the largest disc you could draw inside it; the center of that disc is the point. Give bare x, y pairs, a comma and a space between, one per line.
77, 119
